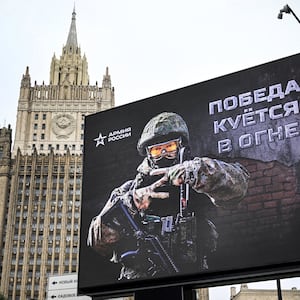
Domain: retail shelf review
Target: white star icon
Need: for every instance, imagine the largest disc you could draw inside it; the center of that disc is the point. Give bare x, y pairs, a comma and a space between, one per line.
99, 140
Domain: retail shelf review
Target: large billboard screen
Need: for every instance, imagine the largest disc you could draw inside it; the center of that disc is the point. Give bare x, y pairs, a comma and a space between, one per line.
195, 183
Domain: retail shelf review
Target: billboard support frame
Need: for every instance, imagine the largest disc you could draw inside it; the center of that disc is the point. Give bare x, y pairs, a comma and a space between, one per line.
174, 292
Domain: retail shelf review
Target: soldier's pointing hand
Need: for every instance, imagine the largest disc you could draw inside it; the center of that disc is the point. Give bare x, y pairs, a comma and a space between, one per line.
142, 196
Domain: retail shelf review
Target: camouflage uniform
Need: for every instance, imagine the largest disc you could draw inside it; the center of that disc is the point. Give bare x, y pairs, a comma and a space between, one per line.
211, 181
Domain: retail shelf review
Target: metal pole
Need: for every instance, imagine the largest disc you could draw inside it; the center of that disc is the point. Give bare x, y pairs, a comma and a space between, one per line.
294, 15
279, 289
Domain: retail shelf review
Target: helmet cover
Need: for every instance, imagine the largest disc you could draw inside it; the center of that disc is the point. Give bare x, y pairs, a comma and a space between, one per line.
162, 127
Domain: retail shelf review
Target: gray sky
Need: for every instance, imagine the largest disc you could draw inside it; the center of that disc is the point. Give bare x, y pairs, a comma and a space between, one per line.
150, 47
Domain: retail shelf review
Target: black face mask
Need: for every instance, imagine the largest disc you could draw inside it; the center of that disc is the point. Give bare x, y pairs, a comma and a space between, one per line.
165, 162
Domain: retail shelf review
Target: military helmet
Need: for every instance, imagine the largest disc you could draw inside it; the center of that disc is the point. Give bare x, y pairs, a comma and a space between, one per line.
167, 125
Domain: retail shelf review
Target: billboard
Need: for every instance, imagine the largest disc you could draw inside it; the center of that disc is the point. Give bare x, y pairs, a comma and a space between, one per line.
195, 184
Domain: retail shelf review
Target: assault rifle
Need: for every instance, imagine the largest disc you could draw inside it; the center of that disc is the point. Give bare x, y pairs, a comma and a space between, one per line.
150, 256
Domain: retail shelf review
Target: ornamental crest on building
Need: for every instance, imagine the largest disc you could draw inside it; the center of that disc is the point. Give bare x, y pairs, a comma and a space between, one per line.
63, 125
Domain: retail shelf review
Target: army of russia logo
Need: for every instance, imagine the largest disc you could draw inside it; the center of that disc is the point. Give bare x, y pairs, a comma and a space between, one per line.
112, 136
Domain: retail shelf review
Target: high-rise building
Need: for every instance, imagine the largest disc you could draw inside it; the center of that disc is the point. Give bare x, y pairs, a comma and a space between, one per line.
40, 179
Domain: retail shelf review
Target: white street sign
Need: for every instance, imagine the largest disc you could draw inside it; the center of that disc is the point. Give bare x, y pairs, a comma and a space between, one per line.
62, 294
61, 282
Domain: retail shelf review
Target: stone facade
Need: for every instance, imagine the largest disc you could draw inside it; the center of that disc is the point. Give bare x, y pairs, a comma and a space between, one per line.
254, 294
5, 167
202, 294
42, 234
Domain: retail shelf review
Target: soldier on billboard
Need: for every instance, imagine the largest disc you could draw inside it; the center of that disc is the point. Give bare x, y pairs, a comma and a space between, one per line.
156, 224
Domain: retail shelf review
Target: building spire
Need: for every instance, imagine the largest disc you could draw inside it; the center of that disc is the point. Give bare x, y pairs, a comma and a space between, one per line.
72, 37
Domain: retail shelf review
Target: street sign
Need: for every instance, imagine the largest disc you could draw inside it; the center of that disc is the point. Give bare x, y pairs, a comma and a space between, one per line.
62, 294
62, 282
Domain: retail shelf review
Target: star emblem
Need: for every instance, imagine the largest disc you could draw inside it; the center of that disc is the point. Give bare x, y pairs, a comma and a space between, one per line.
100, 140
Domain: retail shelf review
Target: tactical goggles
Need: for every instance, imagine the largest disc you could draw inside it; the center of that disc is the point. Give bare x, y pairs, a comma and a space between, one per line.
164, 149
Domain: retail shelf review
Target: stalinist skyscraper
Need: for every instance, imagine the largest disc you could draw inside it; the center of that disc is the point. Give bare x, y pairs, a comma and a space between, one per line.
40, 180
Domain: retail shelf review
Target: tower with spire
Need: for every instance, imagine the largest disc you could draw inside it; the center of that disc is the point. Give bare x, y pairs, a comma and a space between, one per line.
50, 117
41, 180
71, 68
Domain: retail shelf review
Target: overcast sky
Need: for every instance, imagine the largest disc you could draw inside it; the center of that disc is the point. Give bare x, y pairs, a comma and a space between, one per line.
150, 47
